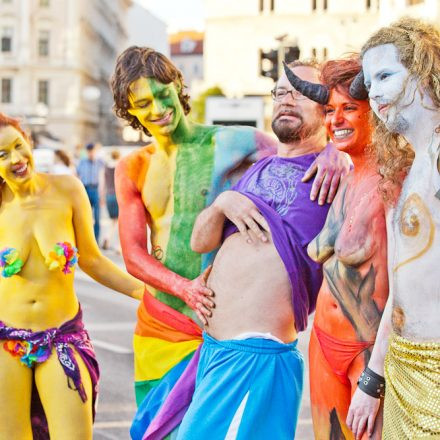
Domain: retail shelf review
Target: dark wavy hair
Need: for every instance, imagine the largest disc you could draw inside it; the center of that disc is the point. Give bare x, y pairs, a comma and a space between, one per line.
137, 62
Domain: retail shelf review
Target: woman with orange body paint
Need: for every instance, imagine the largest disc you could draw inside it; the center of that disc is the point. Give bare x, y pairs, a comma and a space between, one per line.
353, 249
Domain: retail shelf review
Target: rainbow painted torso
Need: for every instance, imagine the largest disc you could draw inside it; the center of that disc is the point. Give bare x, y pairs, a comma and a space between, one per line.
179, 183
176, 184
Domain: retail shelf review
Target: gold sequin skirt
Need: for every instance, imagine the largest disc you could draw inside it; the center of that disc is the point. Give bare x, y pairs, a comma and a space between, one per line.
412, 394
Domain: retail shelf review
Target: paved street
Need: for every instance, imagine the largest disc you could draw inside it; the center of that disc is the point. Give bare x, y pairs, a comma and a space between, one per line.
110, 319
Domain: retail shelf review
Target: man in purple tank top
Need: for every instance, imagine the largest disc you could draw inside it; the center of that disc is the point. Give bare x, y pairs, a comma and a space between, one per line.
250, 374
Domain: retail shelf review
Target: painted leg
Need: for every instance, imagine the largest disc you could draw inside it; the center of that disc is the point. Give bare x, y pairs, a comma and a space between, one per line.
15, 397
68, 417
329, 397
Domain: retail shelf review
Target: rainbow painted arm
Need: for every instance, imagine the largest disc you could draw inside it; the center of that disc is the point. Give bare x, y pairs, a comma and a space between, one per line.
133, 218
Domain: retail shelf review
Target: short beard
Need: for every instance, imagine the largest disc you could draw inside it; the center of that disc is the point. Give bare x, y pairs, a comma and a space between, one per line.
286, 133
398, 125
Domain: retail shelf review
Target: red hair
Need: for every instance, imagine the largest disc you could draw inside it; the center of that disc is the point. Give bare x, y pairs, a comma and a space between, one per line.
340, 73
5, 121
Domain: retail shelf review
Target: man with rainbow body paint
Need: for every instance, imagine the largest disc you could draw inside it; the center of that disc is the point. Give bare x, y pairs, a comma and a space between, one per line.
164, 186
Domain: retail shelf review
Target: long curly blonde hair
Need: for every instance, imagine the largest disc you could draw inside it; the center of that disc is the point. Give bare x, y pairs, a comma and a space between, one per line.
418, 45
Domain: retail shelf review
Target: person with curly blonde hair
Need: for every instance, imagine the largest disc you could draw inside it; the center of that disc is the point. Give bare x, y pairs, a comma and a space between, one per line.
401, 68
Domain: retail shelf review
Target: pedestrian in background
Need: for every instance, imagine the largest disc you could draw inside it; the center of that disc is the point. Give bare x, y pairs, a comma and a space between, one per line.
62, 163
90, 172
111, 240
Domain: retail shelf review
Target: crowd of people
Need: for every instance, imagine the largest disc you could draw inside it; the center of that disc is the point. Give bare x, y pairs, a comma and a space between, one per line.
238, 256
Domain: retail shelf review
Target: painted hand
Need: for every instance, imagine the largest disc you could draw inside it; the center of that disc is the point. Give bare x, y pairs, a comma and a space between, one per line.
362, 413
199, 297
244, 214
330, 167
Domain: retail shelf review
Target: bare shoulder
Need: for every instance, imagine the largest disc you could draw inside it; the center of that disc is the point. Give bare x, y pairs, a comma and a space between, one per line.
135, 165
64, 182
67, 188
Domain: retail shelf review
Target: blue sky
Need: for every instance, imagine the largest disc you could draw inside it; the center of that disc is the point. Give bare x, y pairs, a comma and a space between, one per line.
178, 14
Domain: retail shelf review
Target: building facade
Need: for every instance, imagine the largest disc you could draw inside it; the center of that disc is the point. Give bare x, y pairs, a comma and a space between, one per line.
186, 49
56, 57
391, 10
145, 29
236, 32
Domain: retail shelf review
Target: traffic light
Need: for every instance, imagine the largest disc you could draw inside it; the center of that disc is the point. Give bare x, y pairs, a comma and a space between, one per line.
291, 53
269, 64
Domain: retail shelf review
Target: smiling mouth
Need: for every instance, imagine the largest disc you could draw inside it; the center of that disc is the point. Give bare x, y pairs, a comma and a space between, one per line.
342, 134
164, 120
20, 170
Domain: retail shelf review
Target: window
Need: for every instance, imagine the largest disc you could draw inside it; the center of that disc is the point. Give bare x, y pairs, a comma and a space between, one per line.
272, 5
261, 5
43, 92
325, 5
313, 52
368, 4
313, 5
6, 43
43, 43
324, 53
6, 90
44, 3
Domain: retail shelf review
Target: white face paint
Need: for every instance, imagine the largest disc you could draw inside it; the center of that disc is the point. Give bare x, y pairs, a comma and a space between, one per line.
385, 78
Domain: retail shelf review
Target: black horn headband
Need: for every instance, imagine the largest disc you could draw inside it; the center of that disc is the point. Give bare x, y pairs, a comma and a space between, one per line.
357, 87
316, 92
320, 93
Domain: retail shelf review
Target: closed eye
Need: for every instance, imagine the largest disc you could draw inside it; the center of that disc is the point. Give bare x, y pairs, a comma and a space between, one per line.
143, 104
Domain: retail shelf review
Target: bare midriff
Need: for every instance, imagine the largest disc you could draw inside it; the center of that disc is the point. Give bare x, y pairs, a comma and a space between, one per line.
252, 291
37, 299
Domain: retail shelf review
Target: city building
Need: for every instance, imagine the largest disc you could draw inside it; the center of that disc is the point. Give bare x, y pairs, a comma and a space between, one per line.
237, 31
244, 37
56, 57
391, 10
145, 29
186, 49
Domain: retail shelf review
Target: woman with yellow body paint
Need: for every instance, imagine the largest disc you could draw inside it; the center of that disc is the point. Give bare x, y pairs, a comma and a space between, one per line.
45, 228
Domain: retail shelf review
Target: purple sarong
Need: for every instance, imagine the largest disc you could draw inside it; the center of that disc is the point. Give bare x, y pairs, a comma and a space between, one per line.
71, 333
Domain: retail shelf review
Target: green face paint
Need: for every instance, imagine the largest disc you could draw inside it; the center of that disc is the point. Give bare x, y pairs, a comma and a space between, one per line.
156, 106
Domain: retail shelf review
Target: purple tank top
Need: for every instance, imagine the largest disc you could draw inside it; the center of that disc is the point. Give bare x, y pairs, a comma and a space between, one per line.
274, 185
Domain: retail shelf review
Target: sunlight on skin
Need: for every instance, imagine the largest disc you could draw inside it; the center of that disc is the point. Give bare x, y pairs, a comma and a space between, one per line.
36, 212
353, 295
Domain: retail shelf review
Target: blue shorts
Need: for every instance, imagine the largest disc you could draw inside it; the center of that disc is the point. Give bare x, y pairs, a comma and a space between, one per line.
245, 389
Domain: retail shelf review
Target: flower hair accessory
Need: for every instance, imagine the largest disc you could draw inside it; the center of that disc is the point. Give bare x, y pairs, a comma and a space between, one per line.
64, 256
10, 262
